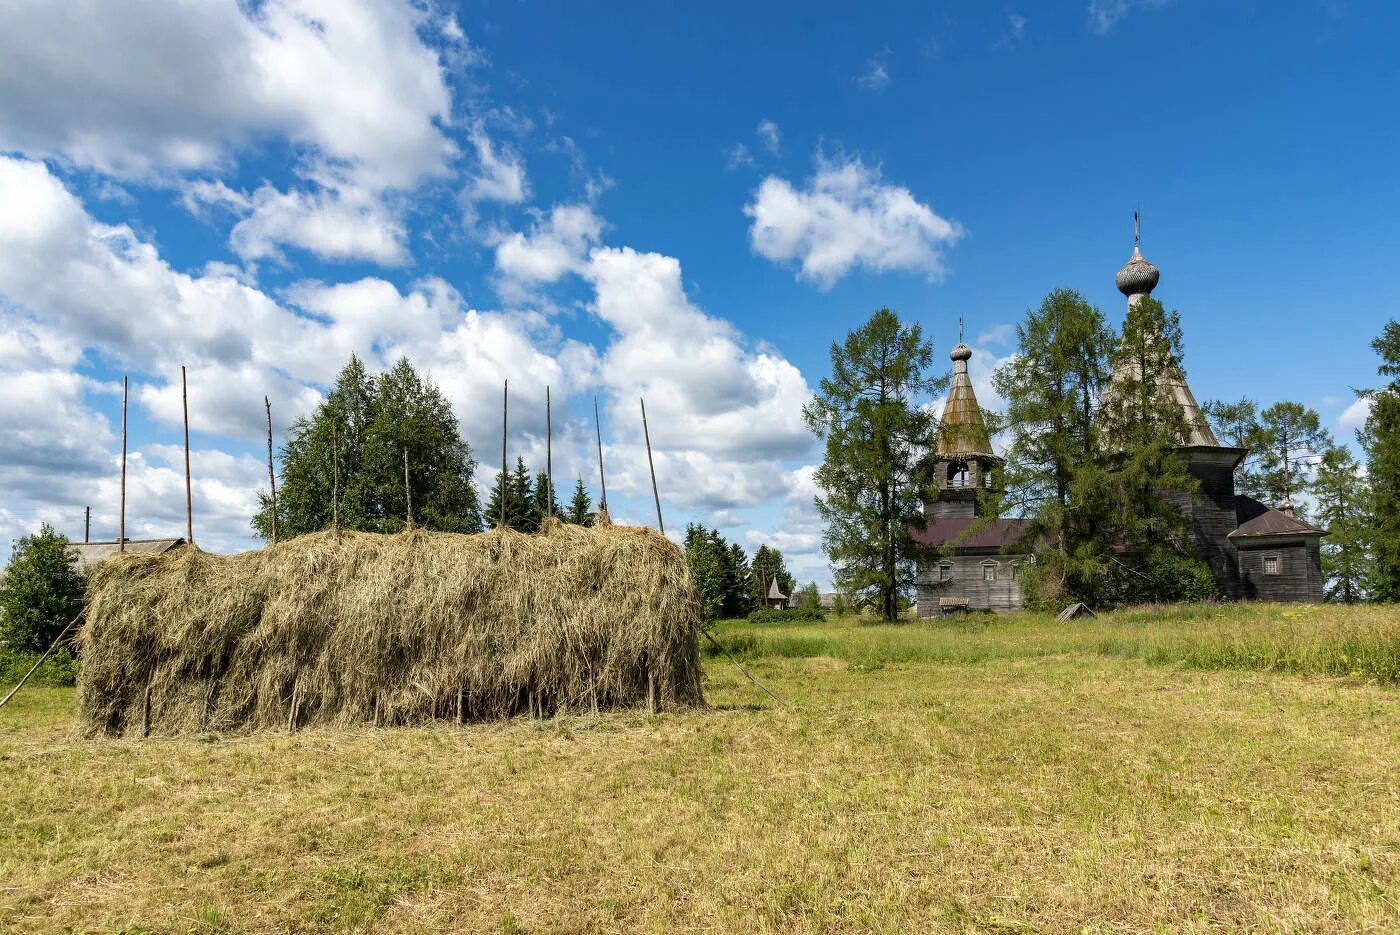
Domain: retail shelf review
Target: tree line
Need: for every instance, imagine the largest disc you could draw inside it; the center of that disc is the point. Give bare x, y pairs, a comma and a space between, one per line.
1093, 460
344, 464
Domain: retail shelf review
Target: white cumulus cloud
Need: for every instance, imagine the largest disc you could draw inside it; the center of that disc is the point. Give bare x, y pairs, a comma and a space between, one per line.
844, 217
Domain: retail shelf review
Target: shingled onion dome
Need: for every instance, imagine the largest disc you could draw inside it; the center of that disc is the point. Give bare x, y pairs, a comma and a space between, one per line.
1138, 277
962, 433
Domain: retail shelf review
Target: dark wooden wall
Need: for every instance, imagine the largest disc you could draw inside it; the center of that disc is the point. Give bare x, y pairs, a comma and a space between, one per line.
1003, 594
1300, 570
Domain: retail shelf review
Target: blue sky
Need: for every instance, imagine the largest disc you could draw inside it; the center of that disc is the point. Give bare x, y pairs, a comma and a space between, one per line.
685, 201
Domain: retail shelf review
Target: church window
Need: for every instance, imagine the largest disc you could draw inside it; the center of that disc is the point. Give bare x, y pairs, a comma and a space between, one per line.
957, 474
1271, 564
1015, 571
989, 571
945, 571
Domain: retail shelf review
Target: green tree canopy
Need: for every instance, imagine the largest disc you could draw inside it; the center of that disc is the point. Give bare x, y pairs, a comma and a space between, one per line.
1052, 387
871, 413
42, 591
522, 506
1381, 440
361, 433
1343, 497
580, 510
768, 564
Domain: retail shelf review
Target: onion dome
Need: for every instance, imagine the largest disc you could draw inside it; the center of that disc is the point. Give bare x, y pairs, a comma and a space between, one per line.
1138, 277
961, 352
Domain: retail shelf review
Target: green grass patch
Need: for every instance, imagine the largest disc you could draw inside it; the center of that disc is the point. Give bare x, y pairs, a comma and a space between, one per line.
1357, 642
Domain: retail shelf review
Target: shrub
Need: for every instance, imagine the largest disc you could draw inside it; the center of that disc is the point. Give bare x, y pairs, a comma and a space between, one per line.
60, 669
789, 615
43, 591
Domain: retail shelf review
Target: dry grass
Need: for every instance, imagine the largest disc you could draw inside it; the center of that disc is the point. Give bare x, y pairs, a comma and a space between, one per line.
1013, 792
349, 628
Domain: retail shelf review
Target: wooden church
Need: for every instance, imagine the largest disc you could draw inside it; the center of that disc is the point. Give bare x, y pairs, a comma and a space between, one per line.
1254, 552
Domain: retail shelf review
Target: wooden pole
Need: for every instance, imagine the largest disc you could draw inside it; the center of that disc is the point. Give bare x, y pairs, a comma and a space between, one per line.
271, 477
548, 456
505, 425
292, 710
335, 477
655, 496
121, 513
40, 661
185, 404
407, 490
461, 707
602, 477
87, 524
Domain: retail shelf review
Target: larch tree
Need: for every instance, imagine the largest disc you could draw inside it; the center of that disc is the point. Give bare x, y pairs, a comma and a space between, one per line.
1343, 496
1291, 439
1381, 440
873, 416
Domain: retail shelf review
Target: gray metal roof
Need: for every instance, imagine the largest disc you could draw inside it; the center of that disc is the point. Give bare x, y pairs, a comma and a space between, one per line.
1259, 519
90, 553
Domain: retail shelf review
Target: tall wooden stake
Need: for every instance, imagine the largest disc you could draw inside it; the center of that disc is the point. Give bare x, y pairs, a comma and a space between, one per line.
185, 403
505, 425
655, 496
87, 524
121, 513
271, 477
602, 478
335, 477
407, 490
548, 456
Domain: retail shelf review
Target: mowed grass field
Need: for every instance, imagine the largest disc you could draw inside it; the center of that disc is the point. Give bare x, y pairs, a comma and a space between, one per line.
1173, 770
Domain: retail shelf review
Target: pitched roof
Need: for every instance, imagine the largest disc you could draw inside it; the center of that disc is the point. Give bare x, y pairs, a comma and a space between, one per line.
1259, 519
775, 593
90, 553
954, 532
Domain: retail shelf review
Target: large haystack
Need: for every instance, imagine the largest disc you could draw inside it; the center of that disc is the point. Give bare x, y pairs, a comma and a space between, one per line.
347, 628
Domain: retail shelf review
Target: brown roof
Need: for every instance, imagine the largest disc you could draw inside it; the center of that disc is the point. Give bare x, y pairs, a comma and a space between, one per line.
1258, 519
90, 553
993, 535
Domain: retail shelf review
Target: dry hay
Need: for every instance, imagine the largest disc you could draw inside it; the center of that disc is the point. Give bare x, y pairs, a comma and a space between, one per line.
344, 628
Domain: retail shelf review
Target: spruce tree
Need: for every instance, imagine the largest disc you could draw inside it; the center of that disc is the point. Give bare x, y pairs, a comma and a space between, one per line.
1343, 498
738, 592
520, 512
1127, 505
580, 509
706, 571
871, 413
41, 593
767, 565
1381, 440
544, 502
